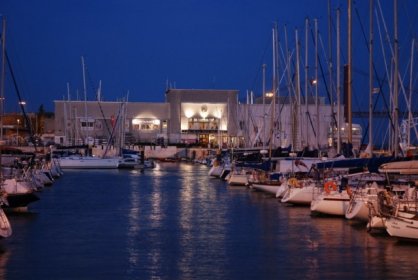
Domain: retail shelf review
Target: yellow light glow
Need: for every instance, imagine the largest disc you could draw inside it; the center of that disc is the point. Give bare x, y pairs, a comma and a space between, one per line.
203, 114
136, 121
188, 113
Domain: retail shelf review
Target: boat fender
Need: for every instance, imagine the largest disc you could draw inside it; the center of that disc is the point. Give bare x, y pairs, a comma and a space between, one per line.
330, 185
349, 191
293, 182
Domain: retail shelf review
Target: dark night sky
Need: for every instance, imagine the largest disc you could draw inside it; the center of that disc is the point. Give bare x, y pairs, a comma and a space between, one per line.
137, 46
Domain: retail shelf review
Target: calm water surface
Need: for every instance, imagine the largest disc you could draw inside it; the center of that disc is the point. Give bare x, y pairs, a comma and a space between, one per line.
175, 222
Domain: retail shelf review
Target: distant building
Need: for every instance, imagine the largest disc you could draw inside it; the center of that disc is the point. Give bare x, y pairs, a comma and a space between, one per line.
205, 117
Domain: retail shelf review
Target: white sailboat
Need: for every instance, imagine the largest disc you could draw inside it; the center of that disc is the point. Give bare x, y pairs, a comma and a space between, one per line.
267, 188
331, 201
299, 192
362, 200
5, 227
87, 161
403, 223
238, 177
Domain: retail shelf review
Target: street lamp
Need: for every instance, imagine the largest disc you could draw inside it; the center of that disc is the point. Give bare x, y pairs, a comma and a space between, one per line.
17, 132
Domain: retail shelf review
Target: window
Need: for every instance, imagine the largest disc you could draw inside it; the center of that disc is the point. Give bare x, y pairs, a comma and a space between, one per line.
87, 124
146, 125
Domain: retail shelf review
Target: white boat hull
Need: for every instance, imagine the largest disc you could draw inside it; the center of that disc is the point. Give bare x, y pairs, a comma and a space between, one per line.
282, 190
215, 171
358, 210
334, 203
5, 227
88, 163
300, 196
270, 189
376, 223
402, 228
238, 179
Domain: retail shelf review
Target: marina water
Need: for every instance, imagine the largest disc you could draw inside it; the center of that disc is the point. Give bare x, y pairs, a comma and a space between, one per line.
175, 222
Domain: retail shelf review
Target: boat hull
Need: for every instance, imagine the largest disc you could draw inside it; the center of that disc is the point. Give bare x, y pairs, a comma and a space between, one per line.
215, 171
19, 200
270, 189
299, 196
400, 228
238, 179
335, 204
88, 163
281, 191
5, 227
358, 210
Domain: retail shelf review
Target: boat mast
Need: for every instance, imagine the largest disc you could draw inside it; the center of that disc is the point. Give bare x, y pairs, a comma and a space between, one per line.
273, 100
306, 80
410, 94
338, 85
349, 78
289, 90
264, 105
3, 67
276, 84
3, 71
371, 78
316, 85
85, 98
395, 82
297, 109
331, 82
66, 114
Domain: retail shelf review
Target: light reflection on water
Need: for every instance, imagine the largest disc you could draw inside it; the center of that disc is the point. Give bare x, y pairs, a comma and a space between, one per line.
133, 226
175, 222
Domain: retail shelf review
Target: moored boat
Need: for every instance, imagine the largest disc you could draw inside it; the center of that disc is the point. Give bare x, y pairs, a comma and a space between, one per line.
333, 200
5, 227
299, 192
88, 162
270, 188
361, 202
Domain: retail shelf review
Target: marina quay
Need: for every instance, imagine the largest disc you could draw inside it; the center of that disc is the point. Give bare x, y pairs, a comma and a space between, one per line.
208, 140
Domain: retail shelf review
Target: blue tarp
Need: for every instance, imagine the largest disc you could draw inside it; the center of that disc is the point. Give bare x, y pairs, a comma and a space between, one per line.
265, 165
372, 164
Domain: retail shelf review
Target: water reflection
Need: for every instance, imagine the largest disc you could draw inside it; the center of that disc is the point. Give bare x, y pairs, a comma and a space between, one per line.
177, 223
133, 225
4, 258
201, 225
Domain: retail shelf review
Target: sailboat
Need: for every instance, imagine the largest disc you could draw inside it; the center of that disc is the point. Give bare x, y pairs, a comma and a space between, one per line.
87, 161
5, 227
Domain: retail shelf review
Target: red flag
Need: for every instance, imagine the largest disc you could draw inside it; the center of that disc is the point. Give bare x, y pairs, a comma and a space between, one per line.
112, 121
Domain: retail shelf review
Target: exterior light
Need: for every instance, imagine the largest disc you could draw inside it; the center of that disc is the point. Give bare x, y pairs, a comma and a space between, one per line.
188, 113
218, 113
136, 121
269, 94
204, 111
22, 102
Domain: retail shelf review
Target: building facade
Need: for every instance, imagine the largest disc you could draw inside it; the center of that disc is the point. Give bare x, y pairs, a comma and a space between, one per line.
207, 118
